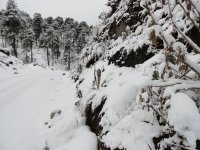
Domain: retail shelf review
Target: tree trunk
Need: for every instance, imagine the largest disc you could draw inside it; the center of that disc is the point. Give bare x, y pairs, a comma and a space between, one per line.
57, 54
69, 59
2, 39
52, 56
36, 41
47, 56
14, 46
5, 41
31, 52
26, 56
2, 42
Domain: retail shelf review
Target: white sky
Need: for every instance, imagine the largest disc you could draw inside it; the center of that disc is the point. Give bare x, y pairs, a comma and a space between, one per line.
80, 10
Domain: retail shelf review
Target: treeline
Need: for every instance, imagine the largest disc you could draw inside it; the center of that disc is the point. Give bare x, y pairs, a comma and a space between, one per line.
55, 35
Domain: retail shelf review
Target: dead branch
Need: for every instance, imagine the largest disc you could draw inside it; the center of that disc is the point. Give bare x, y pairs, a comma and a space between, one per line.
190, 42
188, 15
194, 7
184, 75
156, 23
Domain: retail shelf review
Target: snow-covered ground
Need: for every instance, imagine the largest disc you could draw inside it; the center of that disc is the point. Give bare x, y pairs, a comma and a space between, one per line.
37, 110
125, 122
37, 107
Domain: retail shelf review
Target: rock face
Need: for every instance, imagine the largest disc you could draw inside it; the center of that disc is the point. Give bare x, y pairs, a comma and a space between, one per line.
130, 17
121, 58
122, 20
93, 119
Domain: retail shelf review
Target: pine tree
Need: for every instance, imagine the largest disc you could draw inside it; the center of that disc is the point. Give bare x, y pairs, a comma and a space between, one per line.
49, 20
83, 30
51, 33
13, 22
3, 29
69, 23
49, 39
60, 22
67, 52
81, 41
37, 25
44, 43
28, 42
58, 25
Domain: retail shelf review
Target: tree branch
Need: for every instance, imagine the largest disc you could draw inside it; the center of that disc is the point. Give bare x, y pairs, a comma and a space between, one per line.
187, 14
190, 42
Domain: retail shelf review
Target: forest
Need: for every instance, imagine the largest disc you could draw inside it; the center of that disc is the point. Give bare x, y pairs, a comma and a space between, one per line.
129, 82
61, 38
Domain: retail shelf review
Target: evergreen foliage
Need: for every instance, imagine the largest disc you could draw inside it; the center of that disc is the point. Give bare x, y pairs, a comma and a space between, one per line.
17, 29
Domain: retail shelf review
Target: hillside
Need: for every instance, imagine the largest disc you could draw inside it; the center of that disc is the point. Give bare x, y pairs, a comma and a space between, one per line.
133, 83
140, 84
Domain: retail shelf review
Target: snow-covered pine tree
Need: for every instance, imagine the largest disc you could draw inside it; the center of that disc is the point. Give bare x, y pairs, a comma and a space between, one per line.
59, 29
13, 22
60, 21
69, 40
83, 31
37, 25
45, 43
3, 29
28, 41
53, 41
49, 20
67, 52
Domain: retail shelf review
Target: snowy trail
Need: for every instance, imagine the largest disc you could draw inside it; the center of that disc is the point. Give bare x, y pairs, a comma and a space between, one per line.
12, 89
26, 102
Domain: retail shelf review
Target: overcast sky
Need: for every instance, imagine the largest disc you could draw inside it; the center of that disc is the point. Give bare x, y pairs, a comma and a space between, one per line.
80, 10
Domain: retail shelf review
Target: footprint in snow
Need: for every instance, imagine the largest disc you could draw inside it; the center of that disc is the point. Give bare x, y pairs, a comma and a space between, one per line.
54, 116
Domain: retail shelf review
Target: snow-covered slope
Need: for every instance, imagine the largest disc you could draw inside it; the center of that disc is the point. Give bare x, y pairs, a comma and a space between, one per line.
122, 122
154, 104
123, 113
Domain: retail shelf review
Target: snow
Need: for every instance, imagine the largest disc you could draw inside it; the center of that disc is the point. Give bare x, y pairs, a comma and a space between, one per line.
127, 125
30, 97
27, 101
122, 116
184, 116
132, 132
127, 122
37, 104
179, 48
195, 66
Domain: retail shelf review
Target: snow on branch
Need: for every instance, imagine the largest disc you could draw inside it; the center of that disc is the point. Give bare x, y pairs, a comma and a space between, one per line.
195, 67
190, 42
175, 85
171, 82
188, 15
185, 86
195, 5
